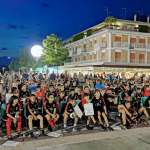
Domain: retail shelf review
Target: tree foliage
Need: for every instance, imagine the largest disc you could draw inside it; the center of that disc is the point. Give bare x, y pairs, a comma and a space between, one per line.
54, 52
110, 20
24, 60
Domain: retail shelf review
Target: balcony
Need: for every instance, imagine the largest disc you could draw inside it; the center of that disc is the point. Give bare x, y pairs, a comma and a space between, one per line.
137, 45
103, 45
88, 52
120, 44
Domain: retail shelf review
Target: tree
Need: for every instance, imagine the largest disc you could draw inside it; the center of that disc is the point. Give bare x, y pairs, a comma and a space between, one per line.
54, 52
24, 60
110, 21
14, 65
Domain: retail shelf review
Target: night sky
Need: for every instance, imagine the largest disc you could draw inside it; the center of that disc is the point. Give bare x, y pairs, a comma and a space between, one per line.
24, 23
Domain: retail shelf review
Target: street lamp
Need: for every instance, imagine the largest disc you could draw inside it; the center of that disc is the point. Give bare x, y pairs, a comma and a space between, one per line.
37, 51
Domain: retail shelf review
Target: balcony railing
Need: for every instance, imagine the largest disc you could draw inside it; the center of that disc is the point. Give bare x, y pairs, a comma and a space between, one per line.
137, 45
88, 52
120, 44
131, 62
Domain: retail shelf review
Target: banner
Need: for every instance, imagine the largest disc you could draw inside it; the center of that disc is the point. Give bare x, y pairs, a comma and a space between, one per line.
78, 111
88, 109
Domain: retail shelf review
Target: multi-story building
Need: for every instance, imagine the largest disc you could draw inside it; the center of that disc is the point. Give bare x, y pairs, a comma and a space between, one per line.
119, 45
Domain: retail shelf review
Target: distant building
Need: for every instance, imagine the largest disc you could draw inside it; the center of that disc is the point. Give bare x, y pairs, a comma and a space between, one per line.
117, 45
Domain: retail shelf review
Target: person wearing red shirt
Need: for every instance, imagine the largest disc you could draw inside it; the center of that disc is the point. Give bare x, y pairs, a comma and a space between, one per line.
13, 112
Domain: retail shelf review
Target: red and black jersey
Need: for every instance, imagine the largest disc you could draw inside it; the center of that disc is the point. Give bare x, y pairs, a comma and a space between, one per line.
13, 110
98, 104
36, 107
69, 107
50, 107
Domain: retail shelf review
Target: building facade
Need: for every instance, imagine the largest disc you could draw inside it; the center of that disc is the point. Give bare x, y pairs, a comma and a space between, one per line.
121, 44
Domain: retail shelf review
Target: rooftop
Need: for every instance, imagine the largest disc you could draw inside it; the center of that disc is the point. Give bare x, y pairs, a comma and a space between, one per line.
113, 23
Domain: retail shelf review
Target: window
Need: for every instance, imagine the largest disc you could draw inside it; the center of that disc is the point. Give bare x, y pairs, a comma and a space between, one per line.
117, 56
118, 38
141, 58
94, 57
142, 43
133, 40
132, 57
124, 38
90, 57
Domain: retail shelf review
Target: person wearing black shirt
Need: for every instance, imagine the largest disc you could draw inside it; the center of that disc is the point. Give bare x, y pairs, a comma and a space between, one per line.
100, 108
51, 114
34, 111
23, 95
69, 112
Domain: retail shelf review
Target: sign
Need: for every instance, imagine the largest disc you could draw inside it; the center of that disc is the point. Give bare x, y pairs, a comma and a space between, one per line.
88, 109
78, 111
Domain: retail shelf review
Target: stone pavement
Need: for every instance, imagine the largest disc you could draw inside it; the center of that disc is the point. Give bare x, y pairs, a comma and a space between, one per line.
134, 139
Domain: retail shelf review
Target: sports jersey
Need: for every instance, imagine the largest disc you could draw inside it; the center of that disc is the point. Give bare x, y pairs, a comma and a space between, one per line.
13, 110
98, 104
50, 107
36, 107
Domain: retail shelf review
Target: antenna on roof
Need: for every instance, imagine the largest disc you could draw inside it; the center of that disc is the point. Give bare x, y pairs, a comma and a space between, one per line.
139, 14
124, 12
107, 11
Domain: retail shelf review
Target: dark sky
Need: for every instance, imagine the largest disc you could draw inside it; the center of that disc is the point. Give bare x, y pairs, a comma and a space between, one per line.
24, 23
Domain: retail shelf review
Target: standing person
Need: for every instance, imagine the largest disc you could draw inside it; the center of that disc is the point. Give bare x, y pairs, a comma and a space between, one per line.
24, 93
13, 115
99, 85
23, 96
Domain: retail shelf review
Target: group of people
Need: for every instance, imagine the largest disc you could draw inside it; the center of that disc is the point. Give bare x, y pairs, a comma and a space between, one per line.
46, 100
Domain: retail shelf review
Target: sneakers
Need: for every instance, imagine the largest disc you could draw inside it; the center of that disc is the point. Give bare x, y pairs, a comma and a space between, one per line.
123, 127
74, 129
89, 127
109, 128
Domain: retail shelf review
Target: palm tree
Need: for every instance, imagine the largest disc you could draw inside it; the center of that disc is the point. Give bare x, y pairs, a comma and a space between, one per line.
109, 21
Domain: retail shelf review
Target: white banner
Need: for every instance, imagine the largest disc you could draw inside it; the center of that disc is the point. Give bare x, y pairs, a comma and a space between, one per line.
88, 109
78, 111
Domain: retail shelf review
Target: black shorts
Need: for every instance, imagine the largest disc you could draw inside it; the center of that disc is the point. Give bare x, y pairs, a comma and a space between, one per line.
100, 109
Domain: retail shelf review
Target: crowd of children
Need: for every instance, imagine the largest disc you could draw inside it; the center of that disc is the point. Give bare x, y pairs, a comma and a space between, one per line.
51, 99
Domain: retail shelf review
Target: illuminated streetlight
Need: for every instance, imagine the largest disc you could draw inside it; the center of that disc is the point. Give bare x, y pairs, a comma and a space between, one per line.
37, 51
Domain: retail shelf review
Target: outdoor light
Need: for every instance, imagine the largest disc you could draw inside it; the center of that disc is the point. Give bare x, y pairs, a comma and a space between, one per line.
37, 51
